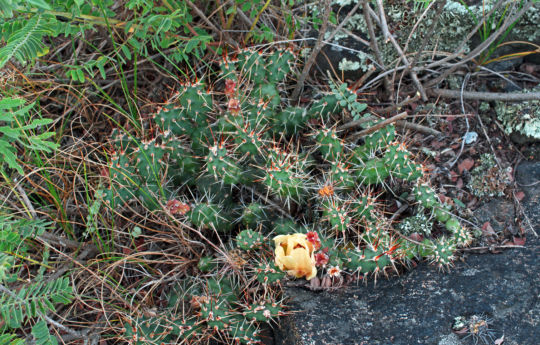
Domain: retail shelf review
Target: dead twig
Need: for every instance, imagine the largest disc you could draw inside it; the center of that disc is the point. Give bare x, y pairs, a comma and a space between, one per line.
465, 80
343, 22
375, 47
398, 106
210, 24
382, 18
412, 73
504, 246
311, 60
481, 47
46, 237
356, 123
463, 43
418, 128
488, 96
410, 36
441, 5
380, 125
522, 211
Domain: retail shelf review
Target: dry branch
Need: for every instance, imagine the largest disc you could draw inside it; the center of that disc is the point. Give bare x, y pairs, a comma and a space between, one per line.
488, 96
311, 60
380, 125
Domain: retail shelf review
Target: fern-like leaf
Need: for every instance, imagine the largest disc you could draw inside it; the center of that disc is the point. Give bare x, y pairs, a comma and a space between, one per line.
33, 300
41, 334
25, 44
6, 10
10, 339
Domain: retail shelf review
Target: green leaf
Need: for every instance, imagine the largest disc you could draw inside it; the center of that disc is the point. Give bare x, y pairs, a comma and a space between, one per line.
41, 334
10, 339
101, 61
126, 51
192, 43
8, 156
25, 44
10, 132
10, 103
80, 75
40, 4
459, 203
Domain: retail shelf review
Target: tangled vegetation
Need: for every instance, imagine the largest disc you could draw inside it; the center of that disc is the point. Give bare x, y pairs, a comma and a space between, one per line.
167, 166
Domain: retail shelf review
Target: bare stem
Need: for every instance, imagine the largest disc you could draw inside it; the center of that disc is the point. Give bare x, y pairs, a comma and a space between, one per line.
488, 96
311, 60
380, 125
412, 73
375, 47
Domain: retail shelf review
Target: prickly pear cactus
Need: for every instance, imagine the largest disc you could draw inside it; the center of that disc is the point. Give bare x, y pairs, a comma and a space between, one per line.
253, 167
249, 239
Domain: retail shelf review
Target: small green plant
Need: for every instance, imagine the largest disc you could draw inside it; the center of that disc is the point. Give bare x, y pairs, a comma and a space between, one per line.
491, 24
239, 153
35, 298
17, 129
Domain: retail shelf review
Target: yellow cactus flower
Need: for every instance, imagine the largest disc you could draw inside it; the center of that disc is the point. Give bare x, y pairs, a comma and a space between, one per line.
294, 254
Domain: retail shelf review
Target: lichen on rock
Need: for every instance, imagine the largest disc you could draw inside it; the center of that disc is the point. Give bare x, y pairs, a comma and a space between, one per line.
487, 179
520, 117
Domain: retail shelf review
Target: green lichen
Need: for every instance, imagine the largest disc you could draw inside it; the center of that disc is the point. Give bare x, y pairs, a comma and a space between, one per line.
347, 65
522, 118
419, 224
487, 179
454, 24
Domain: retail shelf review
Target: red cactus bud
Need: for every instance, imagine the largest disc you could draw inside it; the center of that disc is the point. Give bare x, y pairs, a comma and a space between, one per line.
321, 259
177, 207
234, 105
313, 238
230, 87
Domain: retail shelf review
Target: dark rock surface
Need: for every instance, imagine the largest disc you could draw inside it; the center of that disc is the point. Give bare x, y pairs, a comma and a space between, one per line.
420, 306
528, 179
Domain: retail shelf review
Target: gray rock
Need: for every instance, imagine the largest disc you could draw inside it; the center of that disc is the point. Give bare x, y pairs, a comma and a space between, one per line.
498, 212
420, 306
528, 179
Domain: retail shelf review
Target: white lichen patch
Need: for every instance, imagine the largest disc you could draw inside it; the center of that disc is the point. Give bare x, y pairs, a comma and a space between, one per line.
487, 179
419, 223
347, 65
520, 117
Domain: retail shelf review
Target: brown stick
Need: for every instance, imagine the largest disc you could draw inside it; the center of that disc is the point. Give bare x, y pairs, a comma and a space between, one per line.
417, 127
380, 125
459, 50
440, 9
505, 246
397, 107
375, 48
311, 60
356, 123
382, 17
343, 22
398, 49
488, 96
46, 236
210, 24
